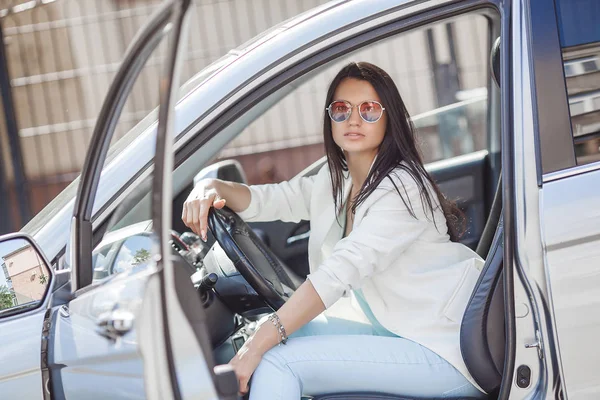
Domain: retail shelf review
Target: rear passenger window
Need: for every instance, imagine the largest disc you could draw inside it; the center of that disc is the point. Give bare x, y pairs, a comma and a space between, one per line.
579, 30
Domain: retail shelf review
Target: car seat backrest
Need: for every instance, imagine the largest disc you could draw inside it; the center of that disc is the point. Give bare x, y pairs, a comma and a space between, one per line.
482, 333
491, 225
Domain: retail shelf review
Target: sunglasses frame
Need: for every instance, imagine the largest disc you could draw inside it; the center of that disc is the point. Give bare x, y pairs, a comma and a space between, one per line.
328, 109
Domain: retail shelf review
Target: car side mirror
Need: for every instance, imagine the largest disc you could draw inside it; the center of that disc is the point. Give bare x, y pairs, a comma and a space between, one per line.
227, 170
25, 274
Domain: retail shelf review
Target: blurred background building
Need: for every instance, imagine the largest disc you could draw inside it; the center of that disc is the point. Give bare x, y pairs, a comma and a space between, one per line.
58, 57
582, 77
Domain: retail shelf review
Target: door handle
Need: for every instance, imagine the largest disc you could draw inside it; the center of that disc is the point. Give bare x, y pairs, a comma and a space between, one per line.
297, 238
116, 323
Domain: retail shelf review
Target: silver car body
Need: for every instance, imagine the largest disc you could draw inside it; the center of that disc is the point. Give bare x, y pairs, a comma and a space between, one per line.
556, 232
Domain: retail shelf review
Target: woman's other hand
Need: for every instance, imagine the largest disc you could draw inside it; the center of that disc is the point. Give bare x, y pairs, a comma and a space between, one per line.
303, 306
244, 364
196, 206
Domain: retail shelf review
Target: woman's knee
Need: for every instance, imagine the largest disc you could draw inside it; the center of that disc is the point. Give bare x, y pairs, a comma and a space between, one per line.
272, 363
273, 379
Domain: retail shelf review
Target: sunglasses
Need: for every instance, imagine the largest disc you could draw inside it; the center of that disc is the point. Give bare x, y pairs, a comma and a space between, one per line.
369, 111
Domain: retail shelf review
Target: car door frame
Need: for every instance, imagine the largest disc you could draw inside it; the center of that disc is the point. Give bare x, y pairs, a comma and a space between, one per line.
160, 380
80, 244
184, 341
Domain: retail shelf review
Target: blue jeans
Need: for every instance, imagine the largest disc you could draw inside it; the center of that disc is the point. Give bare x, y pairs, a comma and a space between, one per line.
331, 355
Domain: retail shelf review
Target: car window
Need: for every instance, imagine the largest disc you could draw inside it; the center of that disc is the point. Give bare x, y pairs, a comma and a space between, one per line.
134, 254
579, 33
120, 250
441, 72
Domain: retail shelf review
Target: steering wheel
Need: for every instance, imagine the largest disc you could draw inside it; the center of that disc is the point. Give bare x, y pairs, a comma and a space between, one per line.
269, 277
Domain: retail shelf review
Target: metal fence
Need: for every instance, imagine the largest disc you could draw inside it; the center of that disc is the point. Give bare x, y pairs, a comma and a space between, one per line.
58, 57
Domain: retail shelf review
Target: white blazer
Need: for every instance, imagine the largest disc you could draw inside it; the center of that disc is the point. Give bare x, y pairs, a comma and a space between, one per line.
416, 281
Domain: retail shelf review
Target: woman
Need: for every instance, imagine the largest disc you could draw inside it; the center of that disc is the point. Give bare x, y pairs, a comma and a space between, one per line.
382, 231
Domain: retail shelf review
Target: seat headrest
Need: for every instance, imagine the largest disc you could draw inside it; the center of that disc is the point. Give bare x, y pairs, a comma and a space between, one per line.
482, 334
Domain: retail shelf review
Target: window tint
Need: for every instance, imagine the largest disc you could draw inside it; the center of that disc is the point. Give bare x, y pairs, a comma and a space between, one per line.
579, 29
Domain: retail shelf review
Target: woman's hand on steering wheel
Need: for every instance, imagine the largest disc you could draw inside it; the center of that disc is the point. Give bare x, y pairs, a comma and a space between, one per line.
196, 207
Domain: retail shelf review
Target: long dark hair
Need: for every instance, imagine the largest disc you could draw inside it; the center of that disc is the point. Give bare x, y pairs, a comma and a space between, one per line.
397, 150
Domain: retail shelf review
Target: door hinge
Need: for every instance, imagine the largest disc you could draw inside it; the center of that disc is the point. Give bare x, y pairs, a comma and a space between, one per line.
538, 343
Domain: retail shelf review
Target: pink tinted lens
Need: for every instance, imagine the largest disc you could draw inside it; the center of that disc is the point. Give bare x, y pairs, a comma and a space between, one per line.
339, 111
370, 111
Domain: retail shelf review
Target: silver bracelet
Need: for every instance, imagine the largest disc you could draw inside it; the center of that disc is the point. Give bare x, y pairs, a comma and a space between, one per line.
274, 318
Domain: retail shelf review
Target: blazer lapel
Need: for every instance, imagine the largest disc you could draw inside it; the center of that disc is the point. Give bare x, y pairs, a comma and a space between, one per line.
325, 229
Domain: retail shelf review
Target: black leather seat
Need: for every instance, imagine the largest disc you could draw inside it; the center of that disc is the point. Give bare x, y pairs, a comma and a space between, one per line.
482, 332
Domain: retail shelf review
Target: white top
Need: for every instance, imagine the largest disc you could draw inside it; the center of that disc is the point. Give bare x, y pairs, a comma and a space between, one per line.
416, 281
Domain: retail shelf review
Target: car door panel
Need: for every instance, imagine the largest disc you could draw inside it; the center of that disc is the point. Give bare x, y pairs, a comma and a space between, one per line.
85, 350
20, 362
571, 236
92, 364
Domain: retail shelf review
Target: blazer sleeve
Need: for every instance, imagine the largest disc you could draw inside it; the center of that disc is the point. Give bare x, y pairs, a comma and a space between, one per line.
385, 231
288, 201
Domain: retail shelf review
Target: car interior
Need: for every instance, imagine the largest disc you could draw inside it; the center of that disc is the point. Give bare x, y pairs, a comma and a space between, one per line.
232, 302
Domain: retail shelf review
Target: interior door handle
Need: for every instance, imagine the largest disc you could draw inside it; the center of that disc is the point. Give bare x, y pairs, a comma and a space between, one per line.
116, 323
297, 238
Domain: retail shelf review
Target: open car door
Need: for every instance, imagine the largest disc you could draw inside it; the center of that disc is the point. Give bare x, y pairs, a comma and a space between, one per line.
174, 325
147, 324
